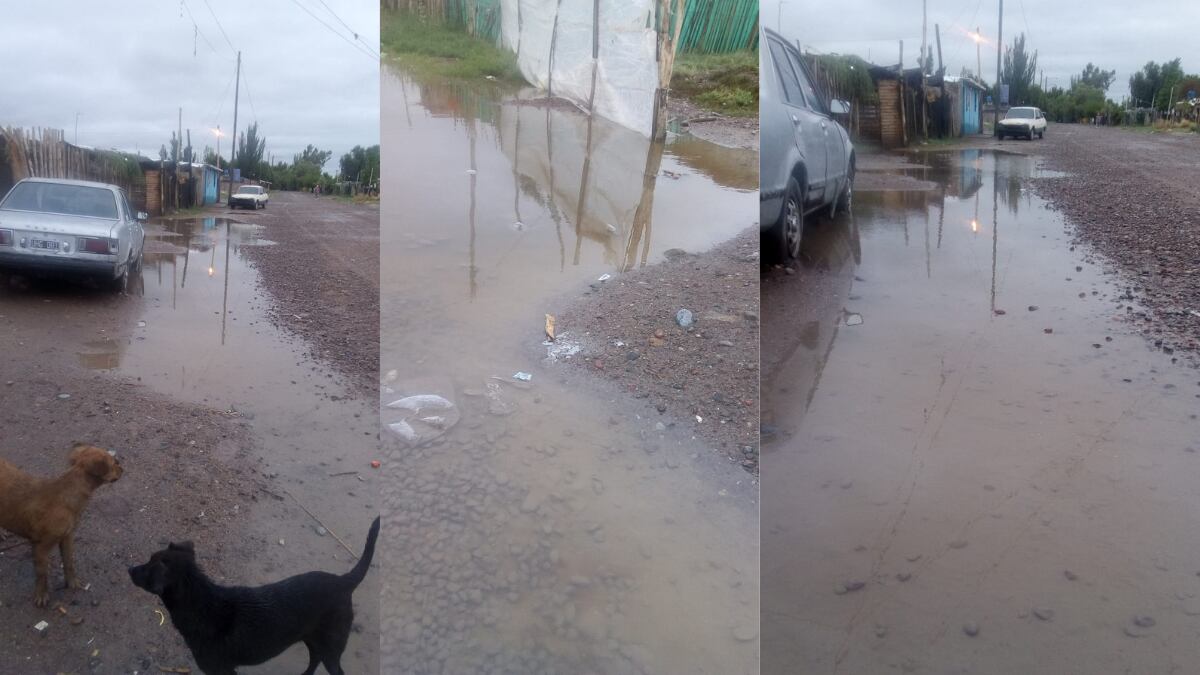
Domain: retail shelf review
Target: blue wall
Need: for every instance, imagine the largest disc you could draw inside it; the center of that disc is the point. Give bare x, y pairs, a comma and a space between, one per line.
970, 110
210, 185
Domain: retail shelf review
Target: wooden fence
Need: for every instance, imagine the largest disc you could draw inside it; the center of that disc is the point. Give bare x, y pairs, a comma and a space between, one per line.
44, 153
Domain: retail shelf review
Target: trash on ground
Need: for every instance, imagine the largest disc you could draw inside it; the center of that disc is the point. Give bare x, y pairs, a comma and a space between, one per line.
604, 277
684, 318
561, 347
375, 464
415, 403
853, 319
522, 376
41, 626
550, 327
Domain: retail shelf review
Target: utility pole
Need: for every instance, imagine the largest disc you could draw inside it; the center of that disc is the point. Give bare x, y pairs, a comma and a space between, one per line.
924, 52
179, 138
978, 54
76, 128
999, 45
233, 153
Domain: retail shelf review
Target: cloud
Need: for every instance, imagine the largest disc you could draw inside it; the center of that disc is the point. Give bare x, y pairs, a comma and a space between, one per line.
127, 71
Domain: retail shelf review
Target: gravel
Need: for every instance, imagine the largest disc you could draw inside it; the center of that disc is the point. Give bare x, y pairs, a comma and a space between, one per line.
1131, 195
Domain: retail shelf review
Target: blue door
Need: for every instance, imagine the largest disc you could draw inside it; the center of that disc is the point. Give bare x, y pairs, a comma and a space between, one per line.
970, 110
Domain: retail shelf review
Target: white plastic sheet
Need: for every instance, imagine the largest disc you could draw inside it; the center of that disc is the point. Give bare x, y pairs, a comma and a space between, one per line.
626, 72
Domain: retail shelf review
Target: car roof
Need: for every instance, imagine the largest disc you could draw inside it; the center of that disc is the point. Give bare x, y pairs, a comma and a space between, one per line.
1024, 107
68, 181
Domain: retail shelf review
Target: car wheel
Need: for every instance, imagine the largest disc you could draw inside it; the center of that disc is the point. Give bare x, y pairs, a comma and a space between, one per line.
790, 229
1041, 134
135, 267
845, 201
119, 284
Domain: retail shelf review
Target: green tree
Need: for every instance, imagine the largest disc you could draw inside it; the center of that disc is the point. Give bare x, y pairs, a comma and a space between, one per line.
210, 156
1095, 77
1019, 71
314, 156
250, 152
360, 164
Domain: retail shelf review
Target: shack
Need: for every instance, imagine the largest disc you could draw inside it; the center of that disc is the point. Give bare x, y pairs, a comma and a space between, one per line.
965, 100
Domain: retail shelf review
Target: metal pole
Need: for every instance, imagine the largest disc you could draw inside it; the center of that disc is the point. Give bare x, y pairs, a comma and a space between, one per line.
76, 128
999, 45
233, 152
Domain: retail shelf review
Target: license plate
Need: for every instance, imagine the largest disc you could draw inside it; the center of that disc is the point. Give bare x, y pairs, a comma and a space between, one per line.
43, 244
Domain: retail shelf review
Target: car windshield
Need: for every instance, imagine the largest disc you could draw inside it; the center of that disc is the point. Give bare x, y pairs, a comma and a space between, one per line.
70, 200
1021, 114
249, 190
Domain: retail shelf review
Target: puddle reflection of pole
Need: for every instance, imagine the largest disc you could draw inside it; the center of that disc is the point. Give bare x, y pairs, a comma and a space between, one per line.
562, 249
928, 262
516, 172
941, 216
643, 215
583, 181
225, 300
995, 233
174, 280
471, 215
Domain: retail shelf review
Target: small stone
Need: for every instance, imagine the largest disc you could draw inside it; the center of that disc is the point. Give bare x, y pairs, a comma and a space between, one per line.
1143, 621
881, 630
1044, 613
684, 318
854, 585
63, 397
903, 576
1047, 331
321, 531
1071, 576
971, 628
1000, 312
958, 543
1033, 308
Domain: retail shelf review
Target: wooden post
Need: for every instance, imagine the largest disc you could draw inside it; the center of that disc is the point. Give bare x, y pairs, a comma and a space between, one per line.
900, 91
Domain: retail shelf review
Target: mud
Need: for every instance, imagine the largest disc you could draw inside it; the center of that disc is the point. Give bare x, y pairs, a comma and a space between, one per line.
544, 525
976, 462
733, 132
231, 436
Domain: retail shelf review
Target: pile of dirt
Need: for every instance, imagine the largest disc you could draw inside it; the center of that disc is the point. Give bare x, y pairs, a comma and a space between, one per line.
704, 376
1132, 196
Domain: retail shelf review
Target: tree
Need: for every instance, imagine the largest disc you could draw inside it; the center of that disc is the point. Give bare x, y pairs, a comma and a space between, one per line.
361, 164
1019, 71
312, 155
1095, 77
250, 152
162, 153
210, 156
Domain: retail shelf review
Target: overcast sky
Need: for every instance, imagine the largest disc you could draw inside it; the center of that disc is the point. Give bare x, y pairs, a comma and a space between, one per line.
127, 71
1114, 34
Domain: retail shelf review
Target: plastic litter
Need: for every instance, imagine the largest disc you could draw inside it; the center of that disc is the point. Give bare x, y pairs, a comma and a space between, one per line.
684, 318
420, 401
853, 319
550, 327
375, 464
404, 430
604, 277
41, 626
522, 376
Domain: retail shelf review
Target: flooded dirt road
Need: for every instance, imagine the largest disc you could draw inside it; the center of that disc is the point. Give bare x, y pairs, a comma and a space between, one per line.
976, 464
230, 434
544, 525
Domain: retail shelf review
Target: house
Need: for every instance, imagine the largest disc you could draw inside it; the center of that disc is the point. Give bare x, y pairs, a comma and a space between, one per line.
965, 98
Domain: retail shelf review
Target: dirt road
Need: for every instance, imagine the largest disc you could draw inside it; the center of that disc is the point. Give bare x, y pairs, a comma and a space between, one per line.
228, 432
978, 463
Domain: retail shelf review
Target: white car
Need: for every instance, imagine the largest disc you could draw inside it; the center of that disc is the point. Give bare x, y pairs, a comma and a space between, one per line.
249, 197
73, 226
1022, 122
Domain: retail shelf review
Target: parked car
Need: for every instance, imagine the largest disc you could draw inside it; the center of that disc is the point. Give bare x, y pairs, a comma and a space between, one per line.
806, 161
249, 197
72, 226
1024, 121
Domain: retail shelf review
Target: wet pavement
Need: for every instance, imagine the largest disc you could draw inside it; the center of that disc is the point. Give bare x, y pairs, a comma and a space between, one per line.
973, 463
545, 526
194, 327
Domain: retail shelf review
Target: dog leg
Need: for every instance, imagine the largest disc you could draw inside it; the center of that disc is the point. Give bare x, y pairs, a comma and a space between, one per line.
314, 658
66, 547
41, 568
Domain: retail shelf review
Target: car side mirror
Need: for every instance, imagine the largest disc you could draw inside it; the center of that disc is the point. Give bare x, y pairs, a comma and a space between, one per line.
142, 215
839, 107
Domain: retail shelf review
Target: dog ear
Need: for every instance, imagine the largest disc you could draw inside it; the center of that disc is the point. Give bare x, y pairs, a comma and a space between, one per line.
96, 463
184, 546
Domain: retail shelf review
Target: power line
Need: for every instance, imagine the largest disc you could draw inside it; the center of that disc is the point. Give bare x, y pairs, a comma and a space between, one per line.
352, 43
246, 84
196, 26
219, 26
352, 31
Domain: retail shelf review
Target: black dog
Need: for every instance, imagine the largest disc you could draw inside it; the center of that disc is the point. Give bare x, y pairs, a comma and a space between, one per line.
227, 627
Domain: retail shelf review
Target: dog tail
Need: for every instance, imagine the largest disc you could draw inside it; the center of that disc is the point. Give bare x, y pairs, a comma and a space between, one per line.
355, 576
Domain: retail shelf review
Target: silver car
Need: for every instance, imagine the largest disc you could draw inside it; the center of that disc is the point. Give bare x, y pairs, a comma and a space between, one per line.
71, 226
806, 160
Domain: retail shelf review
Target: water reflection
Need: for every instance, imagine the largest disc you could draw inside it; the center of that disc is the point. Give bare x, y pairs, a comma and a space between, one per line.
544, 526
962, 471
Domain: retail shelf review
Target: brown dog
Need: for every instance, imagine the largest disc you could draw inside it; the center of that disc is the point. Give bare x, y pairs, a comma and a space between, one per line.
46, 511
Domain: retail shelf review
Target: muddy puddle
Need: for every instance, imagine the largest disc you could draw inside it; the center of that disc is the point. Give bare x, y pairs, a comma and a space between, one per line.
974, 463
542, 525
198, 331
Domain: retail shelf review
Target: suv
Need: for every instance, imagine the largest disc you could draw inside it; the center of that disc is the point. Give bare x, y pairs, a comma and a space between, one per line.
1024, 121
806, 160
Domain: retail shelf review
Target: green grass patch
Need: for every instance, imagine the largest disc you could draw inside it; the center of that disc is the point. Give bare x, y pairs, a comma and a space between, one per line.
434, 49
725, 83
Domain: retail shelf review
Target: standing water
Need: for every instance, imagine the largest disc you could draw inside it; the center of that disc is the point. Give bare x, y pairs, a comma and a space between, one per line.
540, 524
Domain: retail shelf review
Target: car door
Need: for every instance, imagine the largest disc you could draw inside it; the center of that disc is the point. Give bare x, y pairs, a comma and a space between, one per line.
136, 235
806, 122
836, 158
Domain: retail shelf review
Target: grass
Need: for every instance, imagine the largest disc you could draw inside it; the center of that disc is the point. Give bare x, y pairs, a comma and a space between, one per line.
437, 50
724, 83
357, 199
